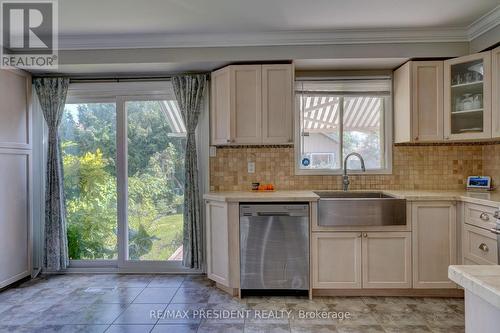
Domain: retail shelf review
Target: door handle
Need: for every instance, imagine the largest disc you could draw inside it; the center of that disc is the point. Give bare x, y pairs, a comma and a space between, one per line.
483, 247
495, 231
484, 217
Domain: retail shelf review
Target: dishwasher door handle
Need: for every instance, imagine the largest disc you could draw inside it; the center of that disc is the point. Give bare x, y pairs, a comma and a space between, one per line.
273, 214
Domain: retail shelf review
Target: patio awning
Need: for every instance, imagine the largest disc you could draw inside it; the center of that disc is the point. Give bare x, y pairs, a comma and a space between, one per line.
321, 113
173, 115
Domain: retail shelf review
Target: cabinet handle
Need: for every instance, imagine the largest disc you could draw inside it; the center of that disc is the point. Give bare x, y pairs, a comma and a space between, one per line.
365, 235
484, 217
495, 231
483, 247
416, 138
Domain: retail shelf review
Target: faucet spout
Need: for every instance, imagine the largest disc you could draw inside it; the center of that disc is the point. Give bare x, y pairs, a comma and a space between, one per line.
345, 177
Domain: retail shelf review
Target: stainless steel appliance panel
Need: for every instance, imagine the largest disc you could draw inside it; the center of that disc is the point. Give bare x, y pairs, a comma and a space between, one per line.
274, 242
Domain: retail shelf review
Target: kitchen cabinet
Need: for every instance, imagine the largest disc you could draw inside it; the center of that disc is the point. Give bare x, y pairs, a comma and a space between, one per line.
336, 260
418, 102
495, 92
479, 245
277, 104
386, 258
354, 260
467, 97
222, 239
252, 105
434, 243
15, 176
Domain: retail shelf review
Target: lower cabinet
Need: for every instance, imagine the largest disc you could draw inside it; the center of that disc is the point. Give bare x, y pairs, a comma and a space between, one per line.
222, 238
434, 232
353, 260
336, 260
386, 258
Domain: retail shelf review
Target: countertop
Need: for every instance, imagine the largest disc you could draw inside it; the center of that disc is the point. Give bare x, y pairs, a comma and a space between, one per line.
249, 196
481, 280
482, 198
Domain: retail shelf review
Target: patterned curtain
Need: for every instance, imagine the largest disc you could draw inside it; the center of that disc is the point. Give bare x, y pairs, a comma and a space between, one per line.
189, 91
52, 95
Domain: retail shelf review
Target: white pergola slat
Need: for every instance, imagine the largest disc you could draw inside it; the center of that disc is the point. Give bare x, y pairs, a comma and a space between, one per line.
322, 113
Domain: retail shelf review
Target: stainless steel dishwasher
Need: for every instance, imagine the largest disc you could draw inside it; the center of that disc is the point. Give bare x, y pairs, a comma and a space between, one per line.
274, 247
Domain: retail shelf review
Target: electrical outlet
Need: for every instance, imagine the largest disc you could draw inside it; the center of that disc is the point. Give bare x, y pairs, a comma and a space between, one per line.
251, 167
212, 151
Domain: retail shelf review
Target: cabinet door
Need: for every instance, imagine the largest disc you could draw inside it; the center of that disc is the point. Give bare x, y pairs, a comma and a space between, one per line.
277, 104
217, 242
246, 104
427, 100
495, 92
467, 97
386, 260
434, 243
336, 260
219, 113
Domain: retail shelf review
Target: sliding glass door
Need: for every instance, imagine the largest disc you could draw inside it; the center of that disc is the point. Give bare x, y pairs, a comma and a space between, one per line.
124, 181
155, 149
88, 139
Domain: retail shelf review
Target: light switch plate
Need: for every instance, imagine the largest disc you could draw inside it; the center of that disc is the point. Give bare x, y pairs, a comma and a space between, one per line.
212, 151
251, 167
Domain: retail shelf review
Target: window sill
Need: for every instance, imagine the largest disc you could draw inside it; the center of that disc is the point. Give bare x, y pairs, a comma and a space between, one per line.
302, 172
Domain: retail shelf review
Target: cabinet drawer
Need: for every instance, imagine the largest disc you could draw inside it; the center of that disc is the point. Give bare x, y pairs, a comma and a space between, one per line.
480, 245
480, 216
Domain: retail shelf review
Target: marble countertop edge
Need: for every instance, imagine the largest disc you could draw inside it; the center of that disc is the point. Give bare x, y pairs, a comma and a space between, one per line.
481, 280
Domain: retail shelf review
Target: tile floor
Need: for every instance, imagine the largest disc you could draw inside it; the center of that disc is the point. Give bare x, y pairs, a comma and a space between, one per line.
173, 303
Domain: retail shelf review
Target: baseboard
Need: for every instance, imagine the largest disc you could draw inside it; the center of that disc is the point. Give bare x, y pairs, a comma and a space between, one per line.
458, 293
231, 291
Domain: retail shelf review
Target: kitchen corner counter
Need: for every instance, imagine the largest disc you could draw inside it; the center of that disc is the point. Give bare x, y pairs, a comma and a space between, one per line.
249, 196
480, 280
482, 296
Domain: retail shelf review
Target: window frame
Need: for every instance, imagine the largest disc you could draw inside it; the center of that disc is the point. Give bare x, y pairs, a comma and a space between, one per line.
387, 139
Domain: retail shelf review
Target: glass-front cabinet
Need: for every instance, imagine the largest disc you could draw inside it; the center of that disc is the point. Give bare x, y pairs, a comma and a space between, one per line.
467, 97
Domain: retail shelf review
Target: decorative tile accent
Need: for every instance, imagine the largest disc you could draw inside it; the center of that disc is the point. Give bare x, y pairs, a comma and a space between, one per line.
422, 167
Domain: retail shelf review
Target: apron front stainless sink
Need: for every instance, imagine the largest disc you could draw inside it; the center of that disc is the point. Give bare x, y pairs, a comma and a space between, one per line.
337, 209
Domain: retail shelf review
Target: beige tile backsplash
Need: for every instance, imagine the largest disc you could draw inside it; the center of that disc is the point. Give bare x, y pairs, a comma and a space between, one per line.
426, 167
491, 163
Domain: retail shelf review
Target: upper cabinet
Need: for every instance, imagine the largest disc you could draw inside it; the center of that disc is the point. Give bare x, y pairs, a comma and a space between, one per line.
495, 92
467, 97
251, 105
418, 102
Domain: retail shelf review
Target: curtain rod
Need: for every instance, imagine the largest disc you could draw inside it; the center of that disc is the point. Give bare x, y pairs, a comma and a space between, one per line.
107, 78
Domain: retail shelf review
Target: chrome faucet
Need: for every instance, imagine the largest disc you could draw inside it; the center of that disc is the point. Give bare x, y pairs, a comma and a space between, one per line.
345, 178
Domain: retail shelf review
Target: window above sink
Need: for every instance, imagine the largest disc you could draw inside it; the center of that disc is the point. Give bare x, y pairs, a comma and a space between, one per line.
339, 116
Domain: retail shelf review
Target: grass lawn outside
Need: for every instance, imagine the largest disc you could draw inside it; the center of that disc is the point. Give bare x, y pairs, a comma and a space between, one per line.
169, 231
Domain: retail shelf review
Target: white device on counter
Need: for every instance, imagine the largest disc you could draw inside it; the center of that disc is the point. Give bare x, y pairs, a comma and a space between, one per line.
479, 183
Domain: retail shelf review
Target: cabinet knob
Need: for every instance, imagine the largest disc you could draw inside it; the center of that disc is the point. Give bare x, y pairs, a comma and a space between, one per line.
483, 247
484, 217
365, 235
416, 138
359, 236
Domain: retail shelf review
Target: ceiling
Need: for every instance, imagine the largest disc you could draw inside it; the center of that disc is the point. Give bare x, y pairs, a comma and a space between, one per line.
79, 17
155, 24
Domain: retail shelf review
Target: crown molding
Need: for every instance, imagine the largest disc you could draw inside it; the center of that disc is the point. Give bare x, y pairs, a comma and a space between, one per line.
281, 38
483, 24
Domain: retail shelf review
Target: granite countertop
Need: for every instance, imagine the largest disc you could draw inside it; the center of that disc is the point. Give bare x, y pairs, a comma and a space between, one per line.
481, 280
482, 198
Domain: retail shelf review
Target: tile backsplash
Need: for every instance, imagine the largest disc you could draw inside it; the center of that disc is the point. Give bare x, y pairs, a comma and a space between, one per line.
415, 167
491, 163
